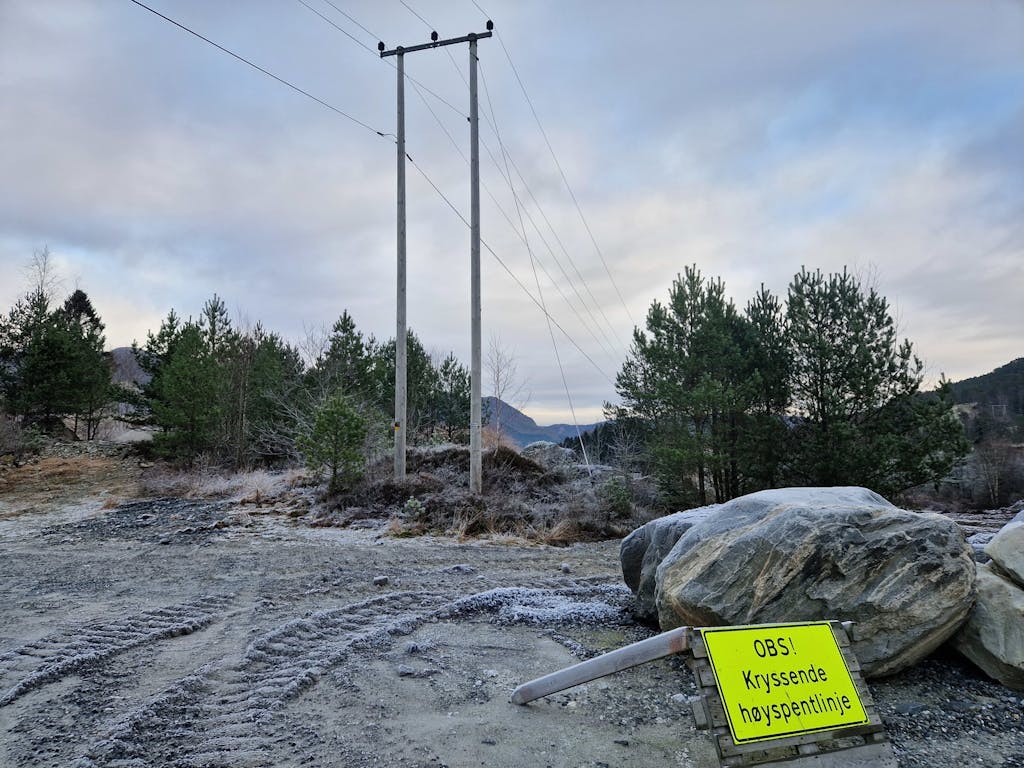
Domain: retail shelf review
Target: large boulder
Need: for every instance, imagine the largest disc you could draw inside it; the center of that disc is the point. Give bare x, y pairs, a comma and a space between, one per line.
1007, 549
642, 551
804, 554
993, 637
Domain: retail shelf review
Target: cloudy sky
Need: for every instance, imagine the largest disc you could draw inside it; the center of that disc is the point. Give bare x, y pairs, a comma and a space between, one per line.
749, 138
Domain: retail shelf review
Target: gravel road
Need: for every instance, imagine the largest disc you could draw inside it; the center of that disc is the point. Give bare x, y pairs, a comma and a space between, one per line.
198, 634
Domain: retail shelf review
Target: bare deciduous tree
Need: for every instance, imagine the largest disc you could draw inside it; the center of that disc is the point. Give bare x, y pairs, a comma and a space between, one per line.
506, 385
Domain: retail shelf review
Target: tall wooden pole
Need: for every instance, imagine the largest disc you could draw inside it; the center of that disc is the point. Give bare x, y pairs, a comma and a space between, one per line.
401, 361
475, 415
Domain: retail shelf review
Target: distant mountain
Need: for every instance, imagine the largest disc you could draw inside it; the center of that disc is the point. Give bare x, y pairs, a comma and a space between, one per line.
1003, 388
520, 429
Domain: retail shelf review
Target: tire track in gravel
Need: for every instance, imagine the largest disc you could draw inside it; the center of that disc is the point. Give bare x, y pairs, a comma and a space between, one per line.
223, 715
53, 657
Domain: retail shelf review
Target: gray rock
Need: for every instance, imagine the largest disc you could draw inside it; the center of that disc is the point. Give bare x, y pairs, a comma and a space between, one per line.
1007, 549
978, 543
642, 551
993, 637
549, 455
804, 554
380, 581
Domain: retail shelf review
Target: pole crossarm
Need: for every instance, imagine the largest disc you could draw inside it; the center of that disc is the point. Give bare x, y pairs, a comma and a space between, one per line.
433, 44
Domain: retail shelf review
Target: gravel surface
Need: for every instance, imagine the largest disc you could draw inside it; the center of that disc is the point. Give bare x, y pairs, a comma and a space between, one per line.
195, 633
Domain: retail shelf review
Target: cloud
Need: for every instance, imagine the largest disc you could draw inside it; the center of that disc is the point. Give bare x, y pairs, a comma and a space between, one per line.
749, 139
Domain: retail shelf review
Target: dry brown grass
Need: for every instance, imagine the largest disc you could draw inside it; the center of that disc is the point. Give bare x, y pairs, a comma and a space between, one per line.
255, 486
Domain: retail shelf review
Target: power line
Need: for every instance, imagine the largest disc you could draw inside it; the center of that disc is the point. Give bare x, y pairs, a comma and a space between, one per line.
536, 279
343, 31
368, 127
561, 172
375, 37
413, 12
511, 274
258, 68
374, 53
419, 88
507, 175
508, 219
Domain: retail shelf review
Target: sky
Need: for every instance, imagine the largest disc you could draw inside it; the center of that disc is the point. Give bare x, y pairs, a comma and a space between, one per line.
748, 138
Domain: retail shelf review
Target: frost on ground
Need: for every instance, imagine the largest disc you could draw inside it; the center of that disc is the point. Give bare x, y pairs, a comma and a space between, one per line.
170, 633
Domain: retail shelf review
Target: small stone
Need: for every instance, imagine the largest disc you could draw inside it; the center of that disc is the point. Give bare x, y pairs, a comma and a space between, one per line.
564, 567
622, 742
164, 541
380, 581
910, 708
404, 670
489, 742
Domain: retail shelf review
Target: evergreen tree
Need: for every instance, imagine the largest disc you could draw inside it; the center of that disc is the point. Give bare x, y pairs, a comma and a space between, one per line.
766, 430
89, 362
453, 400
186, 406
854, 389
684, 380
335, 442
52, 363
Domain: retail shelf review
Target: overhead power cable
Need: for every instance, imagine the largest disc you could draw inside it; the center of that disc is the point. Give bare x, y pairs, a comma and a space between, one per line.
258, 68
536, 279
374, 53
505, 174
511, 274
561, 171
521, 237
418, 87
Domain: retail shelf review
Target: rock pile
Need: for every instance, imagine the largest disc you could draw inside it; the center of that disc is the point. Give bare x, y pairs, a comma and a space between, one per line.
993, 637
804, 554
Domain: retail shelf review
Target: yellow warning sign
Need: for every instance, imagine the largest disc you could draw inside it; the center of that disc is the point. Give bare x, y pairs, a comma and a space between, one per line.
780, 680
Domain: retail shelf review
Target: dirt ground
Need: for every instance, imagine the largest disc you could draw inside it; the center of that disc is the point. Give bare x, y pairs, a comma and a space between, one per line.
175, 632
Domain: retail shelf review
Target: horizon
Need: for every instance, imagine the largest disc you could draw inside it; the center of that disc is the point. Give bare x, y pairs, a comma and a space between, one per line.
747, 139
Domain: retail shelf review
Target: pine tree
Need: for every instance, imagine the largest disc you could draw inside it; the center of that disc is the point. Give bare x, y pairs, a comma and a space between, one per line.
52, 363
453, 399
855, 392
335, 442
186, 405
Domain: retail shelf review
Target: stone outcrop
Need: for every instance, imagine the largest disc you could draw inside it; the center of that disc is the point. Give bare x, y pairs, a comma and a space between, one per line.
802, 554
993, 637
642, 551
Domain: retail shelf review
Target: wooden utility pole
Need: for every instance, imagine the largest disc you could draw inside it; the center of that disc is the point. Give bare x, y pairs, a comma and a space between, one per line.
475, 411
401, 348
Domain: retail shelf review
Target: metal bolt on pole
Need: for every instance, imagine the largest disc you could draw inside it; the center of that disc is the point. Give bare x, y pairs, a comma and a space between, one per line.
475, 413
